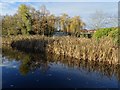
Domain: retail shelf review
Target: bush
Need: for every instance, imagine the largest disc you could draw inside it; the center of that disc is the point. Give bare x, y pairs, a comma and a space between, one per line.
114, 35
107, 32
102, 32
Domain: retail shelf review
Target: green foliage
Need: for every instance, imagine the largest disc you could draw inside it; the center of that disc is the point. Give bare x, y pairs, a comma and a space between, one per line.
24, 13
30, 21
9, 24
102, 33
27, 20
107, 32
114, 35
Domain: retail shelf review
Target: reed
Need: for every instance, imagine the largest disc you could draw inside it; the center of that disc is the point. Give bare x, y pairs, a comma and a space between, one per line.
103, 50
87, 49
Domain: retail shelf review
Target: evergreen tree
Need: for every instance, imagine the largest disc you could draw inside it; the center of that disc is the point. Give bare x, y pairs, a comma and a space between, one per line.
24, 13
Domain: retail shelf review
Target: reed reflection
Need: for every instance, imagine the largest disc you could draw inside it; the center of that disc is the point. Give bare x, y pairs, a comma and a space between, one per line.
31, 62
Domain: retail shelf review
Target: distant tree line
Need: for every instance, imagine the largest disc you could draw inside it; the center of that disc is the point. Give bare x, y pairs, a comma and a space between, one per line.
27, 20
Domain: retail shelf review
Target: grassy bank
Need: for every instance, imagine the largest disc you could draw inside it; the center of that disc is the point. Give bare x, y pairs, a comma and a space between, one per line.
103, 50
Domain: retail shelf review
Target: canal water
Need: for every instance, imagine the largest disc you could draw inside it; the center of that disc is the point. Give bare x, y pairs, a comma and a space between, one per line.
30, 70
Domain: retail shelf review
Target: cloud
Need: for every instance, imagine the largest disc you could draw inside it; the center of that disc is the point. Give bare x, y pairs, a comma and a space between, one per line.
11, 1
7, 8
83, 9
3, 5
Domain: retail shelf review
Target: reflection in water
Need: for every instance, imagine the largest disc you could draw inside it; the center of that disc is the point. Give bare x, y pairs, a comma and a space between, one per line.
31, 62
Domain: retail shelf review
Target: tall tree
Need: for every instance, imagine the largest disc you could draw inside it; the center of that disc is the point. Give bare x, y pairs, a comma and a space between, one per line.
43, 15
28, 20
76, 25
24, 13
51, 24
63, 22
35, 17
9, 25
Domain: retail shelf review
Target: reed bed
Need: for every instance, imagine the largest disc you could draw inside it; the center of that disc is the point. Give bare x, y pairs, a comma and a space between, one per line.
87, 49
103, 50
7, 40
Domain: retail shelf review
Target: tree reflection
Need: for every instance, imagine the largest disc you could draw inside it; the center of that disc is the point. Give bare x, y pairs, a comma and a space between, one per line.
32, 62
24, 69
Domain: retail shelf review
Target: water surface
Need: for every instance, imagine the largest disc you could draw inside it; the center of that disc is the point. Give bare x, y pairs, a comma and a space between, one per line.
28, 70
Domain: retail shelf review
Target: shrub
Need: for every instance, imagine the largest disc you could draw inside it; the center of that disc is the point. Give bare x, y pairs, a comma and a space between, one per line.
114, 35
102, 33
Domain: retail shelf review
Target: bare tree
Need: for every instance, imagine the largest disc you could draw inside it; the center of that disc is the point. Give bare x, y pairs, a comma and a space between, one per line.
113, 20
101, 19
